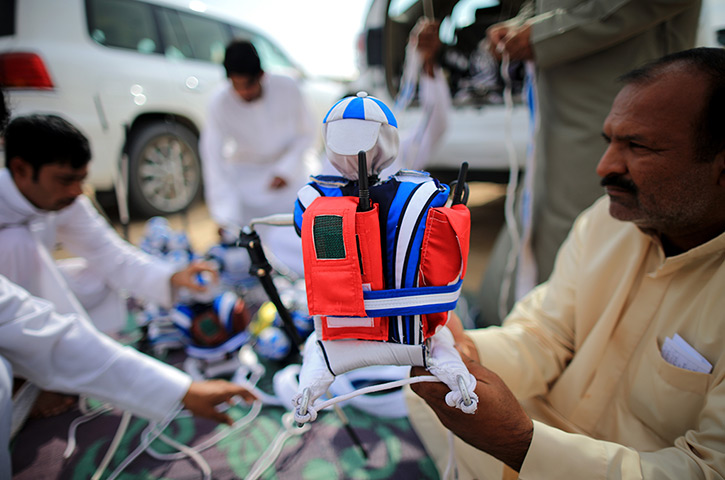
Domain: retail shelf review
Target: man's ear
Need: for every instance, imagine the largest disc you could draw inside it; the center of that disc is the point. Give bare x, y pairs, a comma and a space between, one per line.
720, 166
19, 168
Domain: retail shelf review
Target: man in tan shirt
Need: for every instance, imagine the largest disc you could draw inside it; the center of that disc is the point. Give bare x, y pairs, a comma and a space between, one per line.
581, 381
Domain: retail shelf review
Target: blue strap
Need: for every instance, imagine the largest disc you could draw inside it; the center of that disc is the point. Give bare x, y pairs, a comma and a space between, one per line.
412, 301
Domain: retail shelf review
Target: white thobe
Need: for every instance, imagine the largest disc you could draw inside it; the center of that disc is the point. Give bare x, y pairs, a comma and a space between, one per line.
109, 265
244, 145
66, 353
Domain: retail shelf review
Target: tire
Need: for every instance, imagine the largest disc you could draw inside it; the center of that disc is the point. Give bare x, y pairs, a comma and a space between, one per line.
164, 175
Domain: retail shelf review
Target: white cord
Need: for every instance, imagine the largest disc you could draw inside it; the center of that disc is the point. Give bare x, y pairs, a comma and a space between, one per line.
289, 429
120, 432
87, 416
451, 467
270, 455
239, 424
509, 210
376, 388
154, 429
187, 451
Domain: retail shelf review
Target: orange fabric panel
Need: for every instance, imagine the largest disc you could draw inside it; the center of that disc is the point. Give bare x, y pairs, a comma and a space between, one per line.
333, 285
444, 254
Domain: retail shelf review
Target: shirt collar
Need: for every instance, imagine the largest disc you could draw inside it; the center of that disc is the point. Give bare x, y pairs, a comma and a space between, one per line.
713, 247
15, 209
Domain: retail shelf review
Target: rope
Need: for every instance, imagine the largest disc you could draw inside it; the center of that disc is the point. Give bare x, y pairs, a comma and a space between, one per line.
451, 470
154, 430
113, 447
270, 455
509, 211
312, 410
87, 416
239, 424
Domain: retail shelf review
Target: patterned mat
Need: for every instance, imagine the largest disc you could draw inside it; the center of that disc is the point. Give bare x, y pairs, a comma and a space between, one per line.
324, 451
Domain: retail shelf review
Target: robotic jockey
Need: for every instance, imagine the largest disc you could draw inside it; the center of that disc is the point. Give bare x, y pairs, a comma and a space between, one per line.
384, 260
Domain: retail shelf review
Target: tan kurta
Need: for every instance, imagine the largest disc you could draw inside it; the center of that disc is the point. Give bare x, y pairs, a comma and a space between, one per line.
584, 351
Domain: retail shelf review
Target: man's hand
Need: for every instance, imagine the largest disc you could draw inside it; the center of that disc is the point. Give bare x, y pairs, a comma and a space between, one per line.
425, 36
189, 277
277, 183
202, 398
512, 39
500, 427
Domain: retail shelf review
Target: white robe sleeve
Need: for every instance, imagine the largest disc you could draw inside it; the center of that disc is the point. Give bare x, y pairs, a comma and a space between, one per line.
66, 353
83, 232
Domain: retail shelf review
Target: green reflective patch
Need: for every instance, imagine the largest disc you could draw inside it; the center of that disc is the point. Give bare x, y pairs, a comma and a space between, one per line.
327, 232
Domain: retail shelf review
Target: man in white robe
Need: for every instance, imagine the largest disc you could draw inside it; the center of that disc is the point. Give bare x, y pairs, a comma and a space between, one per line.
257, 150
42, 205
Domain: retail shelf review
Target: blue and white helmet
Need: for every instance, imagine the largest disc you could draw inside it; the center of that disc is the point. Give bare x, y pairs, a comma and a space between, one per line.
360, 123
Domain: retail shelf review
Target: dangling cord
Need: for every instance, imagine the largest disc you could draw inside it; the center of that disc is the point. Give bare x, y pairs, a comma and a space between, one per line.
289, 429
187, 451
120, 432
526, 274
451, 467
509, 206
155, 430
87, 416
239, 424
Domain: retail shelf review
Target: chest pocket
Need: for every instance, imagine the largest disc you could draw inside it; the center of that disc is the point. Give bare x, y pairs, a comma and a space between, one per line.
666, 398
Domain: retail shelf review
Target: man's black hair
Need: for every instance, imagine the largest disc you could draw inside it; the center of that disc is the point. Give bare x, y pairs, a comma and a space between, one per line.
241, 58
44, 139
710, 64
4, 111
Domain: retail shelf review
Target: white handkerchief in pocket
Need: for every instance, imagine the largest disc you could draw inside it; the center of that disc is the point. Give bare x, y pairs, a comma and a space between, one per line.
679, 353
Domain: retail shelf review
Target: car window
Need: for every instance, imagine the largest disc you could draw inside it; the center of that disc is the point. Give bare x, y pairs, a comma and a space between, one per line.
123, 24
206, 37
176, 44
7, 18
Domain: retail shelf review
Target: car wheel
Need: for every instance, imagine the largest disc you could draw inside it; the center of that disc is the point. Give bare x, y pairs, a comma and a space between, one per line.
164, 169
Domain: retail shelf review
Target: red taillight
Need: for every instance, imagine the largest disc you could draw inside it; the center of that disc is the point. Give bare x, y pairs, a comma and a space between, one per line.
24, 70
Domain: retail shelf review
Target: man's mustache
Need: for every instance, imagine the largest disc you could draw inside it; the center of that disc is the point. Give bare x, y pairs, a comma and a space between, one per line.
619, 181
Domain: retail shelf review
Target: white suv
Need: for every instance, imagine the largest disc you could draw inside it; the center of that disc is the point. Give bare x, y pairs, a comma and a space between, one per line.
135, 77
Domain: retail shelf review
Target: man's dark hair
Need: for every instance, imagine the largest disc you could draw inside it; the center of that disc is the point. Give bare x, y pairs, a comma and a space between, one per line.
4, 111
710, 64
44, 139
241, 58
